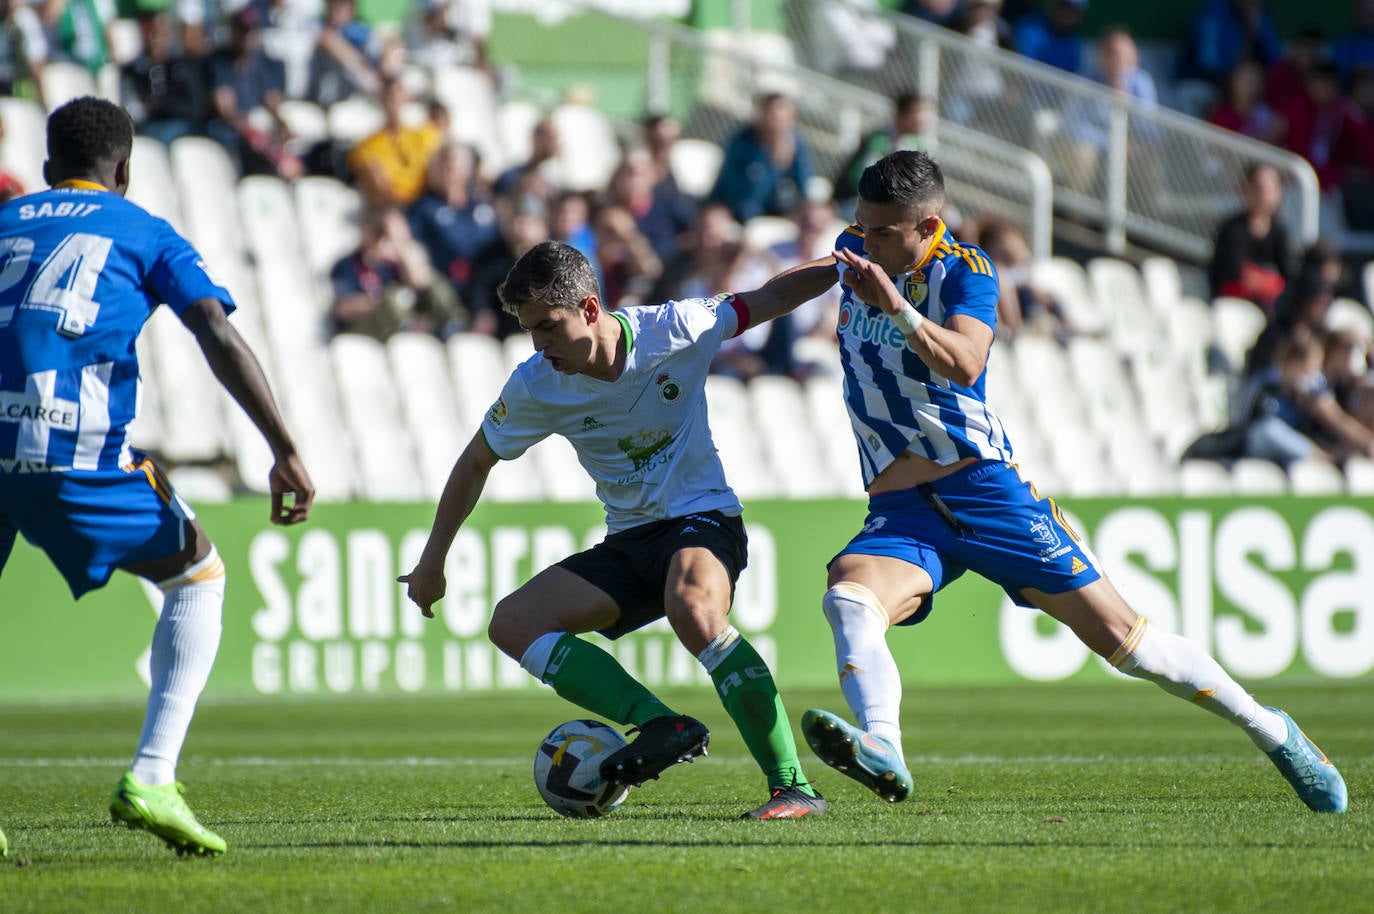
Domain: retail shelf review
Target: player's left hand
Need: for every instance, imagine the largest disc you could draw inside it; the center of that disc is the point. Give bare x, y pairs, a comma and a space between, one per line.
288, 477
869, 281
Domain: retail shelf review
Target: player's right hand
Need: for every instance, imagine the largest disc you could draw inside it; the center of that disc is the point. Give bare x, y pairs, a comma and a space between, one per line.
425, 586
288, 477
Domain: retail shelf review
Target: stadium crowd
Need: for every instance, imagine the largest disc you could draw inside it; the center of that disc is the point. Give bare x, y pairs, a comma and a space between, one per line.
440, 227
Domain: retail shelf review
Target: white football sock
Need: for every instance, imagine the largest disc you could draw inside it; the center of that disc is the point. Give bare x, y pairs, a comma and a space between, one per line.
869, 677
185, 641
1182, 668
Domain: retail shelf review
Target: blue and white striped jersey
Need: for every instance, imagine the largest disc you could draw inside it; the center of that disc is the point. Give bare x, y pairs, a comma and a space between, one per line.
896, 402
81, 269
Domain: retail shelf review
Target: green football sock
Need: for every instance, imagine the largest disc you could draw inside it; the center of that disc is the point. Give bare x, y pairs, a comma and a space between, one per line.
590, 678
746, 688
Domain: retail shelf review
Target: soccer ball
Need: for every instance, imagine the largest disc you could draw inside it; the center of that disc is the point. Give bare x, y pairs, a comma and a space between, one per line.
567, 769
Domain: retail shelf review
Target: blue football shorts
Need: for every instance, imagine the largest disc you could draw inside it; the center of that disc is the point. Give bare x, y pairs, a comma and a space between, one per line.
984, 518
90, 522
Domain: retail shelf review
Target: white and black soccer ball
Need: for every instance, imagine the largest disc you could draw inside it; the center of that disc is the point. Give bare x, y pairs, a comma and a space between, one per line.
567, 769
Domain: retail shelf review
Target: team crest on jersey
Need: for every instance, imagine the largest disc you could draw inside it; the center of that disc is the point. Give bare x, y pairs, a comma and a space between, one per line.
915, 289
669, 388
1043, 531
497, 414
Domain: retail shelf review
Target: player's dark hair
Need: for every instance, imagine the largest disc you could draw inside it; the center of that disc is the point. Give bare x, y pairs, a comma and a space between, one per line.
87, 132
909, 179
551, 272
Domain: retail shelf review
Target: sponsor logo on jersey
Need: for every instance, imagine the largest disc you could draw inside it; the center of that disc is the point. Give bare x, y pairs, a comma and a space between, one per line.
1078, 566
643, 447
713, 303
590, 424
869, 325
669, 388
54, 413
497, 414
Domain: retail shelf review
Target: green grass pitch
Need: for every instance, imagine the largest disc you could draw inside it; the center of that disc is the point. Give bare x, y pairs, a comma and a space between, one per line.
1028, 799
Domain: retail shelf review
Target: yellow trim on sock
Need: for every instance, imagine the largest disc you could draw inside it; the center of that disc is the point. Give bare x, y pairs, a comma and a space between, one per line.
1202, 696
864, 596
1128, 646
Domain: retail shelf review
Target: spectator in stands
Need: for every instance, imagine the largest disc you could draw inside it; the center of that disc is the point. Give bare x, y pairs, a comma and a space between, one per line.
1053, 36
449, 33
1301, 314
1253, 254
913, 121
1242, 107
571, 222
660, 214
291, 35
1287, 78
454, 217
351, 57
767, 164
243, 79
76, 30
1087, 122
524, 222
625, 257
1293, 414
1357, 181
389, 166
166, 92
938, 12
1346, 368
535, 174
1322, 126
659, 134
1356, 48
1022, 306
23, 50
387, 283
1225, 32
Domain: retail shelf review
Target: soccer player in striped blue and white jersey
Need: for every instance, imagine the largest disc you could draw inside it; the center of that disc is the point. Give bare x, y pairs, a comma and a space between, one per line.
81, 270
916, 324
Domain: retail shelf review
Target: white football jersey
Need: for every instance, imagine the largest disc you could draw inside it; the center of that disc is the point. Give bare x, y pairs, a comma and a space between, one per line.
644, 437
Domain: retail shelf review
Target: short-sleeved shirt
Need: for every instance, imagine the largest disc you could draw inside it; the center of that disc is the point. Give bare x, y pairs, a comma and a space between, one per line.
81, 270
896, 401
644, 437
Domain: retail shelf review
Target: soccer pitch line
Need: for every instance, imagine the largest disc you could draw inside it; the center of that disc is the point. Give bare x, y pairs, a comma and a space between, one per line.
438, 762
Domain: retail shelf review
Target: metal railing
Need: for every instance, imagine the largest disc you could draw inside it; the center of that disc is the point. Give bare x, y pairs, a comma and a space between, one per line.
709, 82
1145, 175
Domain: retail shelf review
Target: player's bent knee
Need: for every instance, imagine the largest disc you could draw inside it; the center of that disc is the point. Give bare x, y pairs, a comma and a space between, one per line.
513, 628
847, 601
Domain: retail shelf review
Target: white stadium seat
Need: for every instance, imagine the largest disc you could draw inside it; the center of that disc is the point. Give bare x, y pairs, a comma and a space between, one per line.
1236, 324
1066, 280
26, 146
150, 182
63, 81
429, 406
1204, 478
327, 212
1163, 285
1252, 476
191, 397
478, 365
1315, 477
1348, 314
1118, 284
783, 423
746, 466
372, 413
205, 180
1359, 476
695, 164
588, 151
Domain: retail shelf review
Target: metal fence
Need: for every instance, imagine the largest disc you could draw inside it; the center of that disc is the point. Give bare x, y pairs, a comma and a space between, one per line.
1128, 173
709, 82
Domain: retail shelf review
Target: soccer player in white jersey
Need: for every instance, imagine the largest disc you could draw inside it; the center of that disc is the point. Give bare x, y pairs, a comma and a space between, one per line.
627, 389
916, 323
81, 269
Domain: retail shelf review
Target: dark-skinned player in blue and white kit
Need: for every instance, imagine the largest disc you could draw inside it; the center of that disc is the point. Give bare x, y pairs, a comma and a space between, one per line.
916, 325
81, 270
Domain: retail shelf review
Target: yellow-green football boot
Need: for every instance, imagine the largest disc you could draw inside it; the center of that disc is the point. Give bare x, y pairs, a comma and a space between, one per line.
162, 811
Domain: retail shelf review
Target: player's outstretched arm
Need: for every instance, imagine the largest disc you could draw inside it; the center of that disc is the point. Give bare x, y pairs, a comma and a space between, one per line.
235, 366
425, 585
790, 288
